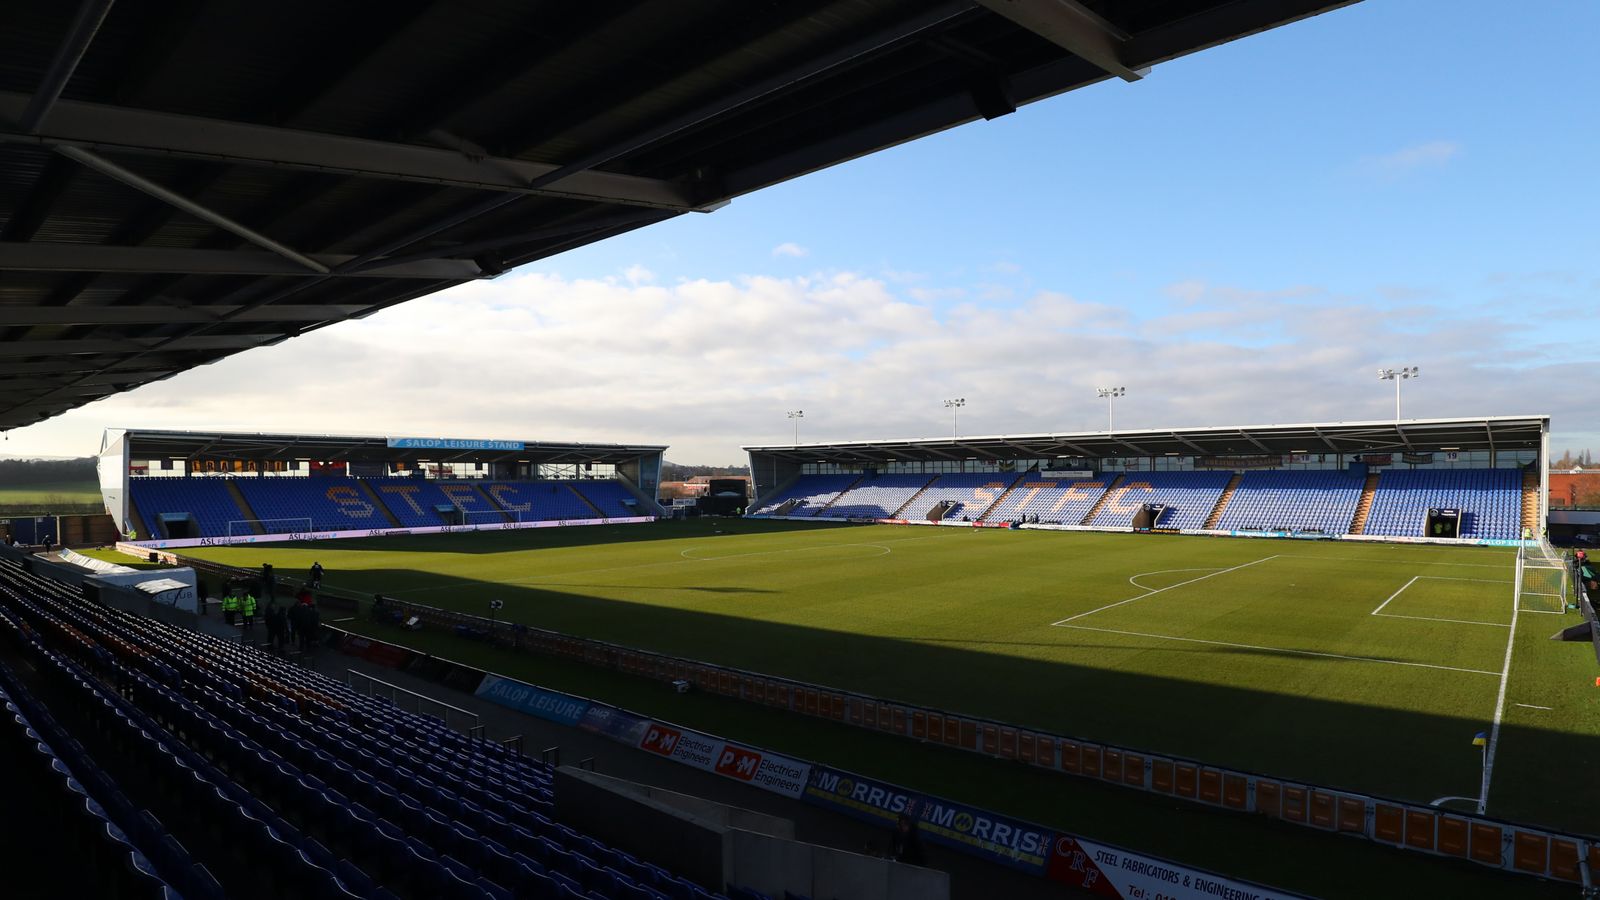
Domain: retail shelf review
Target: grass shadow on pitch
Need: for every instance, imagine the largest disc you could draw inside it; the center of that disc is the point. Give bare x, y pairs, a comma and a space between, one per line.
1287, 729
497, 540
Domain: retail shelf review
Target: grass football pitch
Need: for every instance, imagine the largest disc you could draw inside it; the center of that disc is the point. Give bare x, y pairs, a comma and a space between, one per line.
1360, 666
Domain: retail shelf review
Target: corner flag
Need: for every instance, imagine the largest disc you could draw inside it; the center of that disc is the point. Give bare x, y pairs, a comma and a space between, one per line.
1480, 739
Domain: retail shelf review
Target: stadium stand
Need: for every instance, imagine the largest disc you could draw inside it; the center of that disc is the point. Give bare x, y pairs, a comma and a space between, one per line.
207, 500
1056, 501
338, 504
413, 501
325, 792
540, 500
1490, 501
876, 497
1293, 501
1190, 496
332, 504
809, 494
970, 495
609, 497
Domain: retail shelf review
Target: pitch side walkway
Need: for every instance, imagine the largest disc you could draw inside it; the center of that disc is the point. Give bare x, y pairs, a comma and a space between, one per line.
970, 879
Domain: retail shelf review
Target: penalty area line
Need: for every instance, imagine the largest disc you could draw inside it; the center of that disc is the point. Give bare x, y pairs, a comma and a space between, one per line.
1162, 590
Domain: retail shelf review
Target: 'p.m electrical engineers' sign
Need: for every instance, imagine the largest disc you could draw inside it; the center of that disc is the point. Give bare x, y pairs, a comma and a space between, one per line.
417, 443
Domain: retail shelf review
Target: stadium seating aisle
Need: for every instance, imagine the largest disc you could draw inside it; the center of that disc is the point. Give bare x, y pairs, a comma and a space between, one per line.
365, 800
1056, 501
1490, 501
969, 494
812, 492
541, 500
1294, 501
610, 497
332, 504
876, 497
206, 499
1191, 496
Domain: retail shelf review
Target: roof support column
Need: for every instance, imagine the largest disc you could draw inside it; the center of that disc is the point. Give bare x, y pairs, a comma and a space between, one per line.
85, 25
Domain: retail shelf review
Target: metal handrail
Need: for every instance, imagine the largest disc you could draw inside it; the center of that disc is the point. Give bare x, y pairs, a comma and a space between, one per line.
473, 728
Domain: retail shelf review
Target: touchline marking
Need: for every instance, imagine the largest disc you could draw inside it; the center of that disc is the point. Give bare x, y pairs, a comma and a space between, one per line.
1367, 659
1531, 706
1499, 710
1162, 590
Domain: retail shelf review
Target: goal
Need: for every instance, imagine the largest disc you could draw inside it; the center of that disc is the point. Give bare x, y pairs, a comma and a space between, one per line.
483, 518
247, 527
1541, 579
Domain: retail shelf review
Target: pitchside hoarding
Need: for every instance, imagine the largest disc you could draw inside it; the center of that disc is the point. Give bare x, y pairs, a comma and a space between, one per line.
768, 771
548, 705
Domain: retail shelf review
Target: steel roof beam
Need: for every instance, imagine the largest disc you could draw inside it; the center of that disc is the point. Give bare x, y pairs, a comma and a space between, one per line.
85, 25
38, 256
120, 130
1075, 29
200, 211
171, 315
82, 346
87, 370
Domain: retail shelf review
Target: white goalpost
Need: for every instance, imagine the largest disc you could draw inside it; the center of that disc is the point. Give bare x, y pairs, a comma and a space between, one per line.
1541, 579
488, 516
247, 527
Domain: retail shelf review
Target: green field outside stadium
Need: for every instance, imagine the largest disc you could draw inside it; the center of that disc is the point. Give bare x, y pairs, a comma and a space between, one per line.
1362, 666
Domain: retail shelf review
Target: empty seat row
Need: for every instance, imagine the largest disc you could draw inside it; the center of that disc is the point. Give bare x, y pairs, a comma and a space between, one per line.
372, 801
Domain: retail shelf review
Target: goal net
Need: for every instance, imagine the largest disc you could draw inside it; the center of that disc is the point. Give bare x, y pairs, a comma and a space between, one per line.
1541, 580
244, 527
487, 516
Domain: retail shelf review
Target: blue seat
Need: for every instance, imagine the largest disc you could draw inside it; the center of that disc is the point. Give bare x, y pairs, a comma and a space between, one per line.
354, 880
494, 890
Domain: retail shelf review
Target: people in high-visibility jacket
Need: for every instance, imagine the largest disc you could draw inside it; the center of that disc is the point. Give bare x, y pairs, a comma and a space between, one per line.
247, 609
230, 606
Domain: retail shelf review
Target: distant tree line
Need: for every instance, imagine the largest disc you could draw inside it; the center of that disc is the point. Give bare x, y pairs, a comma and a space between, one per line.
16, 472
1570, 460
671, 471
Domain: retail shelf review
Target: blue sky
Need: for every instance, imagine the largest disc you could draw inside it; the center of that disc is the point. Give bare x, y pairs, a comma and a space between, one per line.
1241, 237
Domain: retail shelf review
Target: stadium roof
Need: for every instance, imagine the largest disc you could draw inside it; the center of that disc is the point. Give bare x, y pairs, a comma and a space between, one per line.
1420, 435
144, 444
183, 181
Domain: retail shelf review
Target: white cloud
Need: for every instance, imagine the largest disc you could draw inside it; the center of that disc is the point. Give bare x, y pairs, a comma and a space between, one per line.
1187, 291
1431, 154
790, 248
637, 274
706, 366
